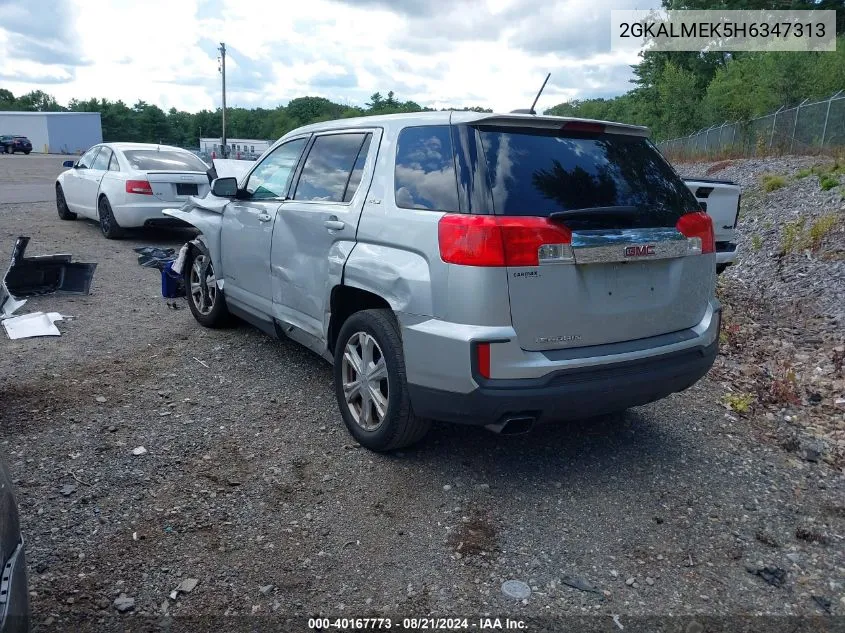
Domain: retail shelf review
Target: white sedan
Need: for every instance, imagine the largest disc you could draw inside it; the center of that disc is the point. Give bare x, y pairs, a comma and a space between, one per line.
125, 185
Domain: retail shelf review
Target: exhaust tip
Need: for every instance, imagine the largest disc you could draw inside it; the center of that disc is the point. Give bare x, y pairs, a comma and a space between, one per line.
516, 425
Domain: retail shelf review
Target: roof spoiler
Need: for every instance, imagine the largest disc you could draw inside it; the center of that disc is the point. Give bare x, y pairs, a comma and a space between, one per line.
519, 119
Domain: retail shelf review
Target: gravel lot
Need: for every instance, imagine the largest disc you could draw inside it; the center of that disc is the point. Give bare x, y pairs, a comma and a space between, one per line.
252, 486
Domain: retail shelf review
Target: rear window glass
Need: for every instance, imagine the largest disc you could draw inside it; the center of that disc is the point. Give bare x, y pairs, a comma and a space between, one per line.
163, 160
425, 169
540, 172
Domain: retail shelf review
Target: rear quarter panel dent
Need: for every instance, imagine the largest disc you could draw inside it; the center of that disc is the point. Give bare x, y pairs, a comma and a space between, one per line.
400, 277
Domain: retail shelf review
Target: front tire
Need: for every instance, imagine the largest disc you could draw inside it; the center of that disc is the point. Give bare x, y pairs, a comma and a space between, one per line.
206, 300
370, 383
108, 225
61, 205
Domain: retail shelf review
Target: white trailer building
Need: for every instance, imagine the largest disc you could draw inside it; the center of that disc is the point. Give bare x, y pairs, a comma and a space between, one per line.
238, 147
55, 132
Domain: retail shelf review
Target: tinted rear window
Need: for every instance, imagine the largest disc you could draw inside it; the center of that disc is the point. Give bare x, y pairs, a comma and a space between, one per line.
425, 169
163, 160
539, 173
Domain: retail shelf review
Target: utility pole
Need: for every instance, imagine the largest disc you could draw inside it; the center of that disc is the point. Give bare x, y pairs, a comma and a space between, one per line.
224, 149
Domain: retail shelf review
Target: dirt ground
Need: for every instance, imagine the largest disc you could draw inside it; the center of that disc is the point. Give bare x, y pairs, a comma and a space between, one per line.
252, 486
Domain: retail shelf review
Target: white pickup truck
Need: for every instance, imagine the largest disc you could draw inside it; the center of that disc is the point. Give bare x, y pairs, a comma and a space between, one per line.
720, 199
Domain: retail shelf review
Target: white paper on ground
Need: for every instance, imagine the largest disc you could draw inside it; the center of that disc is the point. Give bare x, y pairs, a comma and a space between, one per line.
35, 324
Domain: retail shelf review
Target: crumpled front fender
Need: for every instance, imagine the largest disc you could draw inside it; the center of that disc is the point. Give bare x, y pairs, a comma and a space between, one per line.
207, 216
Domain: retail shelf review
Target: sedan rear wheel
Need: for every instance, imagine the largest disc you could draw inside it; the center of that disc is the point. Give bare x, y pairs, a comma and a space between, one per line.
108, 225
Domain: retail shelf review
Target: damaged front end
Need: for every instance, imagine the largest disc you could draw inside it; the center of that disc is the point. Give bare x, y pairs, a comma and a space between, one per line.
206, 215
41, 275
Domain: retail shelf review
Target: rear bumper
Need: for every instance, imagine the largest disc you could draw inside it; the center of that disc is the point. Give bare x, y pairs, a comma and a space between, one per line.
569, 394
146, 214
556, 384
14, 612
725, 253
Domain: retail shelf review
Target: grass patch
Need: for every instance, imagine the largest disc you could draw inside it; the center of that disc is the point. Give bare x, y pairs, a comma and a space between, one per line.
828, 182
819, 230
739, 402
793, 233
756, 243
772, 182
803, 173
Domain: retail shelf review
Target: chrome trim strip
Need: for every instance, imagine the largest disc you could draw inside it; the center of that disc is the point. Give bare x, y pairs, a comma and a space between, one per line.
606, 246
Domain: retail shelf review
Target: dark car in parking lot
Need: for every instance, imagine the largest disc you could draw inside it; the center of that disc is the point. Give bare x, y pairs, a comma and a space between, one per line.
14, 595
14, 143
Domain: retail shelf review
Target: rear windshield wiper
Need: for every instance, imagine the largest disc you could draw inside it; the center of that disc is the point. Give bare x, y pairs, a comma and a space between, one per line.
588, 212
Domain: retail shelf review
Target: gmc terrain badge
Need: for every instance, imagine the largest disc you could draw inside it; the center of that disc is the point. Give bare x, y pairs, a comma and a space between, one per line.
639, 251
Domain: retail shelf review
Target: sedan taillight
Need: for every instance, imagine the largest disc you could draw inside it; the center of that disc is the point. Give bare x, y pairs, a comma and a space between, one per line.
141, 187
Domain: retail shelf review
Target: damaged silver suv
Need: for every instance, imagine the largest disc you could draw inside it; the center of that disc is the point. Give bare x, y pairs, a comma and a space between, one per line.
476, 268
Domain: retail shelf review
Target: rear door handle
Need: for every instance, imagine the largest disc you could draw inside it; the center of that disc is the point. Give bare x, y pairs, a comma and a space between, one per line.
264, 217
333, 224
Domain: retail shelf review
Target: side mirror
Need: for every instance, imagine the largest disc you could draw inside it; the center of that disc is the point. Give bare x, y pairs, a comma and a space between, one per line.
225, 187
68, 164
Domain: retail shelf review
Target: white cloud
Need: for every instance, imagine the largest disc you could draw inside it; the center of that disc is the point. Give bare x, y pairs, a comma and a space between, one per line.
492, 53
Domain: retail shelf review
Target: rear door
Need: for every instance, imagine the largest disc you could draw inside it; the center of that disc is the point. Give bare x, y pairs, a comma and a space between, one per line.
315, 229
628, 272
174, 175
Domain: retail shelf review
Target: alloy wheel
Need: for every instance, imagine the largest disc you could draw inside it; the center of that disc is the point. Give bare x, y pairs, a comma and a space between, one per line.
203, 284
364, 377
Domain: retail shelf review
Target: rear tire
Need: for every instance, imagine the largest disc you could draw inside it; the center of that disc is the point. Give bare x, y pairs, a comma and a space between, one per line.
370, 383
61, 205
27, 152
205, 299
108, 225
9, 149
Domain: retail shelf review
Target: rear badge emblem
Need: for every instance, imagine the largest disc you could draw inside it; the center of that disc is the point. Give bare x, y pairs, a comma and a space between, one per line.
639, 251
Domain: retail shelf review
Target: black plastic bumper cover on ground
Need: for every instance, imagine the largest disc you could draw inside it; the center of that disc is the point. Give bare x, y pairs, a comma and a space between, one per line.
569, 394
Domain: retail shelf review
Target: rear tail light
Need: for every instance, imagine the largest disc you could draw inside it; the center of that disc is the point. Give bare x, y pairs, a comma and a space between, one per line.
141, 187
482, 356
698, 227
486, 240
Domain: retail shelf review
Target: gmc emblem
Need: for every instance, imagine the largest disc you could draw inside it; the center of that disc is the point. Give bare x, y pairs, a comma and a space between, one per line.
639, 251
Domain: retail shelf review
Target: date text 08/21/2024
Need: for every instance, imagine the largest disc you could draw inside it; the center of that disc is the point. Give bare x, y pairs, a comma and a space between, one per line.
413, 624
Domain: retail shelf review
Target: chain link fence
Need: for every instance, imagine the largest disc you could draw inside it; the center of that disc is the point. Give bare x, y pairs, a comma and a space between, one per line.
808, 127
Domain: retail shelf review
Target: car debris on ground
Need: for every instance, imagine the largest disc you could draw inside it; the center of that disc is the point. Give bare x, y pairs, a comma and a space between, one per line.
170, 264
34, 324
37, 276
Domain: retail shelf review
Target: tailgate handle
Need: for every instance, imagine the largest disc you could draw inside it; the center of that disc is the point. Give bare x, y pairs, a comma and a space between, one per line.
333, 224
264, 217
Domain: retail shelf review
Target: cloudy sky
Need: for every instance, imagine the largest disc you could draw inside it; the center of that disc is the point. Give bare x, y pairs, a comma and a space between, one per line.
492, 53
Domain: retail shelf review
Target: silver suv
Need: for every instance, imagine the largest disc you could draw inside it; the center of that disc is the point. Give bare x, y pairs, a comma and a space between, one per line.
476, 268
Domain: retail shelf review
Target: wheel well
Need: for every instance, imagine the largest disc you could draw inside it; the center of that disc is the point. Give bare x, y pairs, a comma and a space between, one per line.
345, 302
